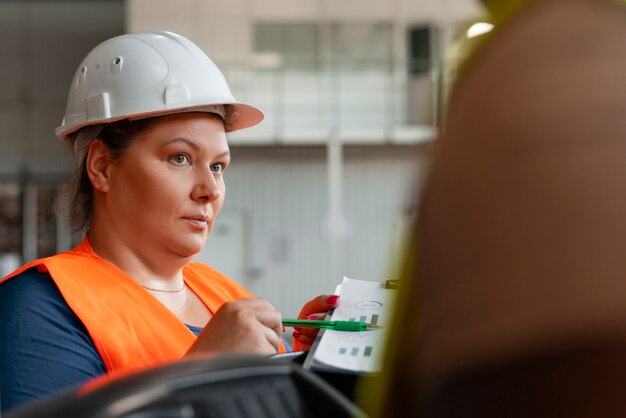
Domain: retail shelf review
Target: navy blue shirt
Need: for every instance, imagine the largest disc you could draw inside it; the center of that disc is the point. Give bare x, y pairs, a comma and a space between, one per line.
44, 347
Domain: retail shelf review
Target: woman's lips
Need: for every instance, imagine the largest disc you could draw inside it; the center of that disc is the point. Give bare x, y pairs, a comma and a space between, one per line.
200, 222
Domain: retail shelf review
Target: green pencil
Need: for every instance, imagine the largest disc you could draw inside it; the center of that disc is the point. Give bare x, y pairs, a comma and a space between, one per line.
335, 325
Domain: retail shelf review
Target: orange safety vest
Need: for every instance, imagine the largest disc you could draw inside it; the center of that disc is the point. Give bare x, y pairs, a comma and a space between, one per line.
129, 327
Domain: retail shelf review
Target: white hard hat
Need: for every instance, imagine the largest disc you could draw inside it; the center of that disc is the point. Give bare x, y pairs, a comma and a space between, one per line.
148, 74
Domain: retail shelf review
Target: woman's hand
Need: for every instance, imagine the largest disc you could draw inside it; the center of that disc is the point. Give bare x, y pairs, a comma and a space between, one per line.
242, 326
314, 309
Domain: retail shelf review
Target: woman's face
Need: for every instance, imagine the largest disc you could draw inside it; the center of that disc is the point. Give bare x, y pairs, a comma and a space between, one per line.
167, 189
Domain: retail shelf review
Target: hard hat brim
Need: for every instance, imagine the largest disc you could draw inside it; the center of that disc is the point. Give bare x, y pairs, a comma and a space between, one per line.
245, 116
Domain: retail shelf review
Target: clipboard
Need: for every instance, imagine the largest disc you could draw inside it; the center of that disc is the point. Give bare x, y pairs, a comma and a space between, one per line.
360, 351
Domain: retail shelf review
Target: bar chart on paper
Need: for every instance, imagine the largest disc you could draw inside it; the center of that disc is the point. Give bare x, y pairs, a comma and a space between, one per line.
352, 348
361, 348
357, 351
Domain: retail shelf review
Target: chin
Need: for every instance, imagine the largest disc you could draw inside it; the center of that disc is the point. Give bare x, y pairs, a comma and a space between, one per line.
191, 249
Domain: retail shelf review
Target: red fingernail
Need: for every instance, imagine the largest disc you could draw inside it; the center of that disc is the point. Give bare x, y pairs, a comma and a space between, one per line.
311, 317
332, 300
284, 330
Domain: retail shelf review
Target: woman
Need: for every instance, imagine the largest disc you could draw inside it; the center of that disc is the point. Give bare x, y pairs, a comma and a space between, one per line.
147, 118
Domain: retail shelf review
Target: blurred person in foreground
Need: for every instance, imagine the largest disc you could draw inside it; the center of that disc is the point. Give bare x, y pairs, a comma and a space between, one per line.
517, 266
147, 118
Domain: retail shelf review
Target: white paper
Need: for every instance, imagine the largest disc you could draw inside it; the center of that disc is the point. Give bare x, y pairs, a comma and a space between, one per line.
361, 301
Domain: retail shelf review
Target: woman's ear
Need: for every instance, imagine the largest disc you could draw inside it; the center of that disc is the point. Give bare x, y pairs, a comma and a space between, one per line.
98, 163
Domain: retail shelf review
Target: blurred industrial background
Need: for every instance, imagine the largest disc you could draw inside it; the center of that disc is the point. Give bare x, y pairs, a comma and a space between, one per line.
353, 92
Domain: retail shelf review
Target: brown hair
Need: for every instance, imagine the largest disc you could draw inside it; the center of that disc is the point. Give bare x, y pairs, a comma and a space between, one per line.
75, 200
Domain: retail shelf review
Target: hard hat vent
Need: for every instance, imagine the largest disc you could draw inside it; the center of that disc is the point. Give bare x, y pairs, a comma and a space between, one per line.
116, 65
81, 77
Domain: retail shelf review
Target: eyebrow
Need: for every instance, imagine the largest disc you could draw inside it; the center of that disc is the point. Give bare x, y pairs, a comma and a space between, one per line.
193, 145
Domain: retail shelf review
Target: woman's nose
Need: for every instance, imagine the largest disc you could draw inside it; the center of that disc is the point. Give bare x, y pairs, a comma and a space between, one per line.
207, 188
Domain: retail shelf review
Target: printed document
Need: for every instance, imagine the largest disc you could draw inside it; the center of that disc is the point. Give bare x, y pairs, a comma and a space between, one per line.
362, 301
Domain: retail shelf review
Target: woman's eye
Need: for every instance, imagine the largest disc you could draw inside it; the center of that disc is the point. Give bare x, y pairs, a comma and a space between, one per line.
217, 168
180, 159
